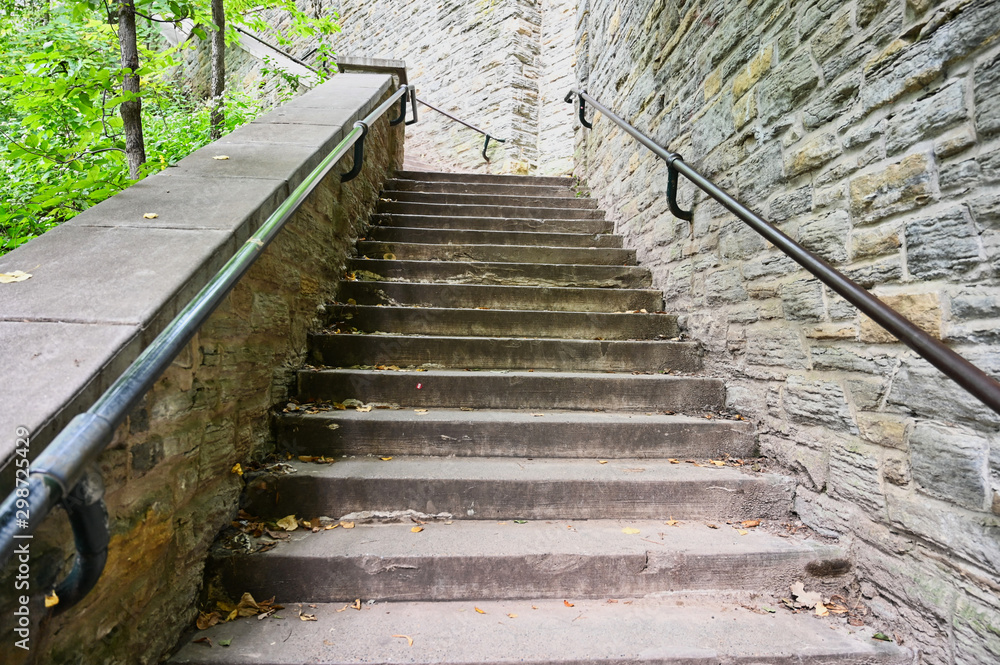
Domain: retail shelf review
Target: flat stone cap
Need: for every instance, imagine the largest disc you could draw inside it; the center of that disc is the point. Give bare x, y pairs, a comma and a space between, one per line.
348, 63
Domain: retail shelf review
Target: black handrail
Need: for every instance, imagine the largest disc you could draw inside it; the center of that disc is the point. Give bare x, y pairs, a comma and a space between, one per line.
964, 373
488, 136
62, 471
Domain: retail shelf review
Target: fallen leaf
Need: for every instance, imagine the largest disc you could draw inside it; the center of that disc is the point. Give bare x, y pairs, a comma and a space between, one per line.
247, 606
881, 636
671, 522
855, 621
407, 638
612, 600
207, 619
821, 610
717, 462
364, 409
567, 603
389, 256
225, 643
288, 523
749, 524
306, 617
630, 530
768, 609
602, 461
803, 598
356, 605
150, 215
347, 606
538, 415
479, 611
347, 525
237, 469
742, 532
203, 640
16, 276
512, 616
221, 157
520, 521
51, 599
417, 529
711, 526
673, 461
385, 459
420, 411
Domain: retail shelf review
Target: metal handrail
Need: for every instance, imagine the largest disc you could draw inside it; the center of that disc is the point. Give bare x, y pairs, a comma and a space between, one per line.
60, 472
968, 376
488, 136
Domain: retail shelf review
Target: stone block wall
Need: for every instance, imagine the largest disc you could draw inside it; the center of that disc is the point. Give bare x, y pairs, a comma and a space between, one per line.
169, 472
869, 132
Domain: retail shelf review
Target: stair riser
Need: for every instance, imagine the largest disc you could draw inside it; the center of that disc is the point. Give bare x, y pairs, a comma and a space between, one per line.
491, 200
485, 390
506, 224
464, 237
430, 176
487, 323
511, 254
514, 274
472, 498
561, 192
501, 297
499, 353
517, 212
557, 576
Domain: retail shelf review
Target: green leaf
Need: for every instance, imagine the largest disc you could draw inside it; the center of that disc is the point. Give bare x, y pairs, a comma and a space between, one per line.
881, 636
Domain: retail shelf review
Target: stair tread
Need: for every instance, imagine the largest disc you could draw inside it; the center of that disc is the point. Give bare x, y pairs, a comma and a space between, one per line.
544, 631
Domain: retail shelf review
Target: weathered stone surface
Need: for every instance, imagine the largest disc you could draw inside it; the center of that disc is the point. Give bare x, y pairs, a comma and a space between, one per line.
920, 388
986, 209
713, 127
745, 110
812, 154
785, 87
962, 174
854, 477
769, 265
848, 360
901, 186
950, 464
832, 36
760, 174
867, 10
990, 163
880, 272
827, 236
815, 14
926, 117
865, 393
987, 92
864, 133
945, 245
724, 286
788, 205
896, 471
817, 403
953, 143
834, 101
883, 429
869, 243
975, 303
977, 627
776, 347
923, 309
802, 300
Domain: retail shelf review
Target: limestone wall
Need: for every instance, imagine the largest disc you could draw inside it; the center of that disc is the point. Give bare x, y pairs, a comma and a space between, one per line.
105, 284
869, 131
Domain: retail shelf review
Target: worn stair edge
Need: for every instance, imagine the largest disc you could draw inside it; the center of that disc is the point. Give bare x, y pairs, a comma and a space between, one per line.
516, 389
346, 350
483, 199
493, 223
478, 559
555, 192
509, 253
435, 321
501, 297
495, 272
512, 488
474, 237
440, 176
472, 210
646, 631
555, 434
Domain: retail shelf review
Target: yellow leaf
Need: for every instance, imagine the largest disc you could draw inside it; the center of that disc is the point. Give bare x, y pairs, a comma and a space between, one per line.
671, 522
288, 523
512, 616
821, 610
232, 615
417, 529
237, 469
407, 638
221, 157
16, 276
389, 256
306, 617
420, 411
742, 532
385, 459
602, 461
717, 462
630, 530
480, 611
150, 215
347, 525
51, 599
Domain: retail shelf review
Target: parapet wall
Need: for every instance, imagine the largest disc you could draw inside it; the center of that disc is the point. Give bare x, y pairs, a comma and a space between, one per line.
105, 283
869, 132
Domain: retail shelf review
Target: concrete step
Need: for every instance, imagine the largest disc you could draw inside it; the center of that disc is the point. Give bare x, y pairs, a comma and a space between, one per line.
501, 297
494, 223
516, 488
495, 323
467, 237
473, 210
492, 272
555, 434
484, 178
516, 390
643, 631
486, 560
513, 253
345, 350
558, 191
483, 199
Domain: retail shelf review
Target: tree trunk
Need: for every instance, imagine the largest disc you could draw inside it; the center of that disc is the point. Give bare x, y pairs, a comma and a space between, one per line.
131, 111
218, 117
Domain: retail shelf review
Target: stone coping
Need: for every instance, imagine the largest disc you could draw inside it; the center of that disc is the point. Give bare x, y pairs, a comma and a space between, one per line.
105, 283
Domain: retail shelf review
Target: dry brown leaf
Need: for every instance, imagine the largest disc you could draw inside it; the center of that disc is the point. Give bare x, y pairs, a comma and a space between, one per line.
717, 462
479, 611
417, 529
408, 639
671, 522
749, 524
207, 619
203, 640
306, 617
803, 598
821, 610
612, 600
711, 526
534, 607
363, 409
567, 603
347, 525
356, 605
512, 616
288, 523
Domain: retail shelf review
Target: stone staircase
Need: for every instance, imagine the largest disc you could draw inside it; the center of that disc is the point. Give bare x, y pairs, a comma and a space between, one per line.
528, 467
